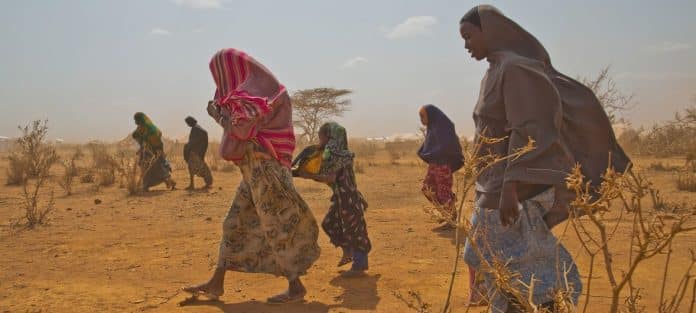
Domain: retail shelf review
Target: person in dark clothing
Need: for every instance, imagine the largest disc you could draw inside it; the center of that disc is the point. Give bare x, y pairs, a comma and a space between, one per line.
194, 153
345, 221
442, 152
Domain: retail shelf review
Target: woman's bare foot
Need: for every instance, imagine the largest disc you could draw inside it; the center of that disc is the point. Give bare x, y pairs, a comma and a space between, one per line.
206, 289
213, 289
295, 293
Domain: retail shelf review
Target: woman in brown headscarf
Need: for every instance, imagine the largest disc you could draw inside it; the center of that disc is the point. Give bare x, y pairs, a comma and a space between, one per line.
523, 97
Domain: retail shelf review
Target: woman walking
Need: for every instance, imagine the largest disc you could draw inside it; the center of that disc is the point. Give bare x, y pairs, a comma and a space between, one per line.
523, 97
152, 161
269, 227
443, 153
345, 222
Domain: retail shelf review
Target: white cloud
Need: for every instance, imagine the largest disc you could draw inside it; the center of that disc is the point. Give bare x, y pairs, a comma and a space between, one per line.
669, 46
160, 32
199, 4
353, 62
411, 27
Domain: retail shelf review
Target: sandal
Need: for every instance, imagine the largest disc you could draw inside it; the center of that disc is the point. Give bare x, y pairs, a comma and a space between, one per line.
285, 298
345, 260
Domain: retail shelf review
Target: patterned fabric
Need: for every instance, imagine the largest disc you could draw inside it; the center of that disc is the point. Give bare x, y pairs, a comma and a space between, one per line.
155, 166
256, 107
307, 161
269, 228
437, 188
197, 167
345, 222
336, 154
528, 248
147, 134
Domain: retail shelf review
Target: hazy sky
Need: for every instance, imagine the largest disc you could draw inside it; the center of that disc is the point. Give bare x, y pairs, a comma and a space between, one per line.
87, 66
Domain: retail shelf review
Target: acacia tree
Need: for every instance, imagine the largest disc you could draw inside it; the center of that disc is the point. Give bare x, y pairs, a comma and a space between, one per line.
612, 99
313, 107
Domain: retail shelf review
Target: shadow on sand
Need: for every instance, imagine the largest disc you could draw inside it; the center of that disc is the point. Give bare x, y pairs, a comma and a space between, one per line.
358, 294
261, 307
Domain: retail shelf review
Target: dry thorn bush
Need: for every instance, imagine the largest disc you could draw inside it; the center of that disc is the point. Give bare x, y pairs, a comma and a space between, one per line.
655, 223
475, 162
364, 150
676, 137
16, 170
661, 167
132, 170
213, 156
31, 153
686, 181
414, 301
104, 167
398, 149
36, 157
438, 212
652, 233
359, 168
70, 171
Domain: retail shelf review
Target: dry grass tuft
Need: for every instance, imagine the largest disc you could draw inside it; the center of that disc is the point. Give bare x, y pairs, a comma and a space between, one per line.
70, 171
652, 234
656, 223
359, 168
213, 158
687, 181
36, 158
661, 167
132, 170
414, 301
16, 171
31, 154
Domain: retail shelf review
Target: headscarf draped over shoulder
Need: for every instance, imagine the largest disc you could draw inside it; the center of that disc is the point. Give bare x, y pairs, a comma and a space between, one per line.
587, 131
441, 144
147, 134
336, 154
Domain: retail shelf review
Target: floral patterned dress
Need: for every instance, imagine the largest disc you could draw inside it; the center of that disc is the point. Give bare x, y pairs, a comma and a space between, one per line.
269, 227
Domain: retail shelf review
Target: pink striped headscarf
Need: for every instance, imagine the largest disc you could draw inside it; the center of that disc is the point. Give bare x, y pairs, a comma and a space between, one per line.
256, 104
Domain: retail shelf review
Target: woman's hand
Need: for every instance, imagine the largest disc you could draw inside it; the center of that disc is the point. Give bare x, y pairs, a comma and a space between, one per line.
509, 204
213, 110
327, 179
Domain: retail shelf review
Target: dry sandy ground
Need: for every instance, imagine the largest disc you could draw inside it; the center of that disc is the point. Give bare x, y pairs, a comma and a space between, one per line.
132, 254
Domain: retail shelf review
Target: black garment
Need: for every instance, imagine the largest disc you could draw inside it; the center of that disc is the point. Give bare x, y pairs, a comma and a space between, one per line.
197, 142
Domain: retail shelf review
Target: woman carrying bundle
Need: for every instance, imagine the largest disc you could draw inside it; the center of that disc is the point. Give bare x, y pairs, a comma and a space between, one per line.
345, 222
152, 161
